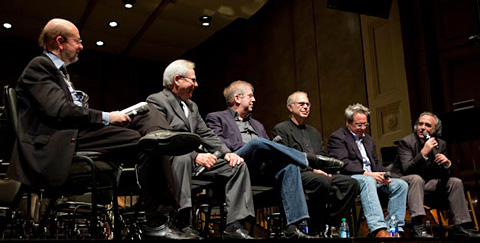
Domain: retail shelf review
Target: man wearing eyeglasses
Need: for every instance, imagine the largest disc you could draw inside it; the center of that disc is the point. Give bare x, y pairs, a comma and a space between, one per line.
326, 205
423, 164
223, 166
357, 149
54, 121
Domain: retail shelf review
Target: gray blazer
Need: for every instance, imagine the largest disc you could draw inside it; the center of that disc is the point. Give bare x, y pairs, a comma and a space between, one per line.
169, 104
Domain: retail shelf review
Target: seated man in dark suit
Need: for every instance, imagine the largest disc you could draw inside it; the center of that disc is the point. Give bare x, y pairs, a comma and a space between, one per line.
248, 138
317, 183
357, 149
423, 164
225, 167
54, 121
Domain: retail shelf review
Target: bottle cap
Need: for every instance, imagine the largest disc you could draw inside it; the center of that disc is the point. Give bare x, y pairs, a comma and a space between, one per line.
344, 219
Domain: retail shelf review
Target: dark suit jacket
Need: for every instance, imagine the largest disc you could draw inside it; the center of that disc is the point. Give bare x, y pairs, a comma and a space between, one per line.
48, 125
169, 104
341, 145
410, 160
224, 125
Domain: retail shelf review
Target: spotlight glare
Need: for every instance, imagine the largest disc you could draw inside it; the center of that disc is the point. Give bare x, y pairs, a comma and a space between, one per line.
100, 43
128, 5
113, 24
205, 20
7, 25
205, 24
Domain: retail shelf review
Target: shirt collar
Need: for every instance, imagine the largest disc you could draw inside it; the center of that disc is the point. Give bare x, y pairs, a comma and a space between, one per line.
237, 116
355, 136
56, 60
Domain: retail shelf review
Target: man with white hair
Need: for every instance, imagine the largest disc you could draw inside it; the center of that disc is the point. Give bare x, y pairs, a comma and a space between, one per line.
423, 164
357, 150
223, 166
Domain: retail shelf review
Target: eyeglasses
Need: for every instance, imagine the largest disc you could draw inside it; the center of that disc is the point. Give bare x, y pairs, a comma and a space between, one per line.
359, 125
78, 41
193, 80
249, 95
307, 104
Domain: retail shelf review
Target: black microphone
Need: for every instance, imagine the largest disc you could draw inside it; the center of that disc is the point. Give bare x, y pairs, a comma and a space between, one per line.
427, 136
387, 175
199, 170
277, 139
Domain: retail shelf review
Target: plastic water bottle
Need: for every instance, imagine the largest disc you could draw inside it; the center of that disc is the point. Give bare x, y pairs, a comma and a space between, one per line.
344, 231
393, 227
303, 226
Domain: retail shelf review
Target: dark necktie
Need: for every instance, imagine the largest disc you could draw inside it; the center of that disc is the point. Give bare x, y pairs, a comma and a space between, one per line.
67, 76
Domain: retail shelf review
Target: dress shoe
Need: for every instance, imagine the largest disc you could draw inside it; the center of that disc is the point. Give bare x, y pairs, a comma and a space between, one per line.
419, 230
459, 231
165, 232
170, 142
240, 233
298, 234
382, 234
328, 163
189, 230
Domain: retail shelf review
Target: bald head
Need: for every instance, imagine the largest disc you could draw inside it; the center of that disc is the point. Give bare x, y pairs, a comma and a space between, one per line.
62, 38
54, 28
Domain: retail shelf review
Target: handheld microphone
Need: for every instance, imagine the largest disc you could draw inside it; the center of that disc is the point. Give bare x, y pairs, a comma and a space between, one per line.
427, 136
387, 175
199, 170
277, 139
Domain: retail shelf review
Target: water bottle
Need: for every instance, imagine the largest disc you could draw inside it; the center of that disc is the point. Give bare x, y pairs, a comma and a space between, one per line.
393, 227
303, 226
344, 231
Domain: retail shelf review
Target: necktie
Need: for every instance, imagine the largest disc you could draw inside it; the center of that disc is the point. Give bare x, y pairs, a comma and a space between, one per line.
67, 76
185, 109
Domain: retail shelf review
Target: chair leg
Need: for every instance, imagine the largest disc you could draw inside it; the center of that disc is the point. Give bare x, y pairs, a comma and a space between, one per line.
472, 210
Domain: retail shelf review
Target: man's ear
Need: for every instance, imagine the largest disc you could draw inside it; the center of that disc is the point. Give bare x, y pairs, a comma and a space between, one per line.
289, 107
236, 99
60, 40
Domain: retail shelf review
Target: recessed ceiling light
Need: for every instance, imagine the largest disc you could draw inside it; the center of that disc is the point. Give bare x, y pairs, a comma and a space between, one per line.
7, 25
128, 5
100, 43
205, 20
113, 24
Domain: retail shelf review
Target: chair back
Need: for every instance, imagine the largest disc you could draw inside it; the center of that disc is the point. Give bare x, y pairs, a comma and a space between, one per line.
10, 101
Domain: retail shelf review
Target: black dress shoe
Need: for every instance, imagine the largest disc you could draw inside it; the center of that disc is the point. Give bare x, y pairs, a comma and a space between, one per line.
189, 230
328, 163
419, 230
165, 232
240, 233
297, 234
170, 142
459, 231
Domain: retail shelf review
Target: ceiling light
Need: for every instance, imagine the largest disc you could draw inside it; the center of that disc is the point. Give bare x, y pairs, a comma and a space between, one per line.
100, 43
128, 3
7, 25
113, 24
205, 20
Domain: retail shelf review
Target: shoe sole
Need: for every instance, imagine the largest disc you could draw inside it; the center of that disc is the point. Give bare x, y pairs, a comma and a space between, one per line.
178, 144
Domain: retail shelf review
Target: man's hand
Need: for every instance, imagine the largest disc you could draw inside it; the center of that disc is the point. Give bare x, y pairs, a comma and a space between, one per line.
442, 160
206, 159
119, 119
234, 159
379, 177
428, 147
321, 172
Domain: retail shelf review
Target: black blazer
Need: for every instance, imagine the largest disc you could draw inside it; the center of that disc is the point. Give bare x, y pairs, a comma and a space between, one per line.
48, 125
342, 146
410, 161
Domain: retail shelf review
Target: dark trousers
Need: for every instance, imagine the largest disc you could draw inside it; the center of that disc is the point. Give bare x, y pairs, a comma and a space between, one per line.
120, 144
318, 188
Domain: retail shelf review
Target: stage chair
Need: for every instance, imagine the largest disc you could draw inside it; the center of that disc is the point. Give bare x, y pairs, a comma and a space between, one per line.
87, 168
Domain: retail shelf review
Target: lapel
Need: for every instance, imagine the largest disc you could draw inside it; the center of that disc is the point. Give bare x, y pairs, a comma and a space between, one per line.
296, 134
231, 122
351, 141
172, 99
61, 81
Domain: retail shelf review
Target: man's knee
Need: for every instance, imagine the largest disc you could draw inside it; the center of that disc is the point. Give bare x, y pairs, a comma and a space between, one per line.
417, 180
455, 182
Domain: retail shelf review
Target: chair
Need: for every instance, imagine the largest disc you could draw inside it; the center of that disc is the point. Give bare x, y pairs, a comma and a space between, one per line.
88, 168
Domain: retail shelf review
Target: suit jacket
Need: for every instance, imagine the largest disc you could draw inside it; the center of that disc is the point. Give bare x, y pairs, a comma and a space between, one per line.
48, 122
169, 104
342, 146
410, 161
224, 125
